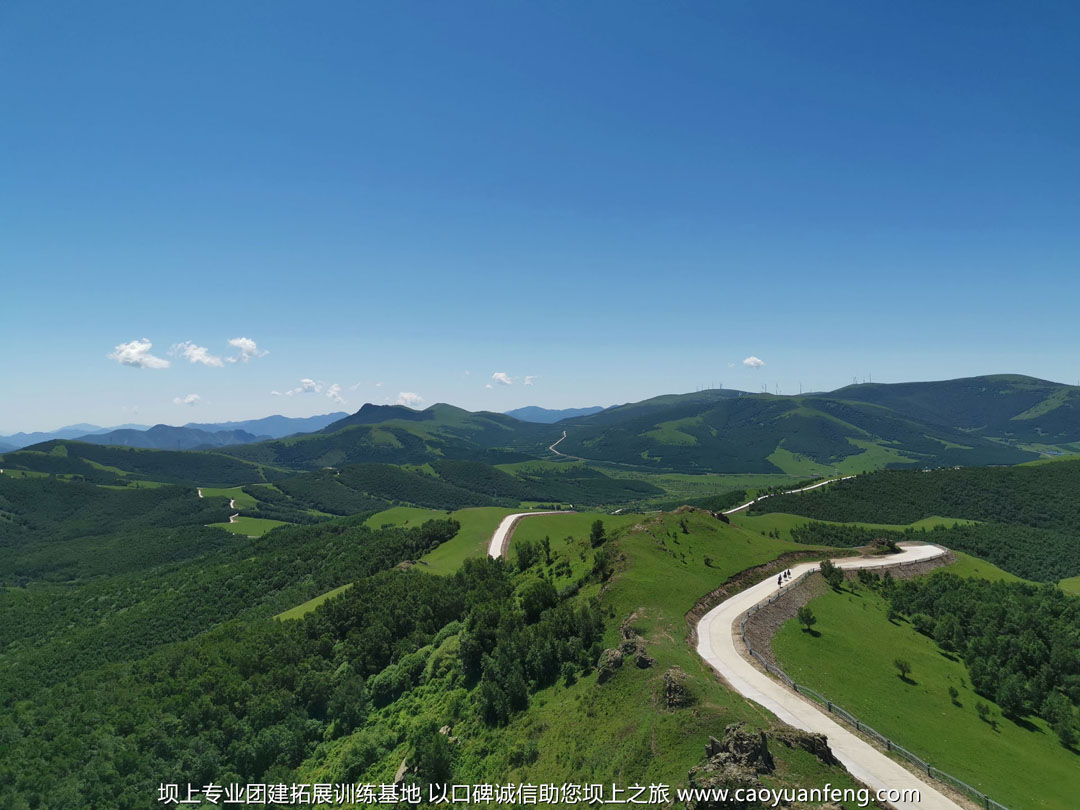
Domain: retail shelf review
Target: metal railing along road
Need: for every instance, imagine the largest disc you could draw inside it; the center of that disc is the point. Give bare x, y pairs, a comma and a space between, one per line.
848, 717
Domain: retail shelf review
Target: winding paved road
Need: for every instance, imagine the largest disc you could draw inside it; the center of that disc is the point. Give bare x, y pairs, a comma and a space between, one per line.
501, 538
717, 633
788, 492
717, 645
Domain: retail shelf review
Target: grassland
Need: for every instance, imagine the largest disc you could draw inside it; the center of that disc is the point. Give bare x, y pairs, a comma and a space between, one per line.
783, 523
243, 500
968, 566
1071, 585
850, 658
619, 731
301, 610
249, 526
688, 485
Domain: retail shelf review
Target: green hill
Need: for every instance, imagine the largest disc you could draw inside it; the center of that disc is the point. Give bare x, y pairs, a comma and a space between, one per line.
399, 435
1005, 406
119, 465
762, 433
978, 421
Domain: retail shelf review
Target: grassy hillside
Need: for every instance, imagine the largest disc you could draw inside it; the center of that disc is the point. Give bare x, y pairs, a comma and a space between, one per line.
986, 420
850, 658
769, 434
1005, 406
628, 734
1027, 517
399, 435
119, 465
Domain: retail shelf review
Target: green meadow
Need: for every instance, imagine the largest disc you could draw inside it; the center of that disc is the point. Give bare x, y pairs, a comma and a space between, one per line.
243, 500
850, 660
249, 526
619, 731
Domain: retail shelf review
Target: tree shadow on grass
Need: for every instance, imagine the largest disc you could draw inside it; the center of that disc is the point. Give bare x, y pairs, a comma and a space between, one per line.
813, 633
948, 656
907, 679
1026, 725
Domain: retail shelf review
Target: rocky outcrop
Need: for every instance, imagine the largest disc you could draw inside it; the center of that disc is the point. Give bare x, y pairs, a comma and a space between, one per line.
816, 744
676, 695
734, 762
742, 746
741, 757
610, 661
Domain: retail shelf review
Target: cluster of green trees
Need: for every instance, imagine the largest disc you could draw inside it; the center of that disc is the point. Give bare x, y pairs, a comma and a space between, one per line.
251, 700
56, 530
738, 434
53, 633
171, 466
1020, 642
1040, 496
1042, 555
1029, 517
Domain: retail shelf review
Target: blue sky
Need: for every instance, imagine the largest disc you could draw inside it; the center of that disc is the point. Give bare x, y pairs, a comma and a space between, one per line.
617, 199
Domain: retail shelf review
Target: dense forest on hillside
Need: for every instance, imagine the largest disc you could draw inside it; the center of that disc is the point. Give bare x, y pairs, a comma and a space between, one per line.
62, 531
1029, 515
1042, 496
740, 434
1021, 643
1042, 555
250, 702
52, 633
93, 462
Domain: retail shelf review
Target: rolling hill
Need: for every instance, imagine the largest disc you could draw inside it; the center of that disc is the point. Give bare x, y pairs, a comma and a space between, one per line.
977, 421
166, 437
726, 431
395, 434
999, 420
1005, 406
274, 427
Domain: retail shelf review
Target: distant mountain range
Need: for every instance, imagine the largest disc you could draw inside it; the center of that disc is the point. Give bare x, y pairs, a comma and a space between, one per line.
1004, 419
175, 438
547, 416
274, 426
17, 440
166, 437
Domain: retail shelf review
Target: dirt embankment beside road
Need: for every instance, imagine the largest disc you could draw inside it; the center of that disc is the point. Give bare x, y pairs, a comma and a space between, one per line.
763, 624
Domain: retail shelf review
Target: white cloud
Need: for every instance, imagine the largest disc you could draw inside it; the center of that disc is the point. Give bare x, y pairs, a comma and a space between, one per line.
409, 399
753, 362
530, 379
137, 355
248, 349
195, 354
190, 399
310, 386
307, 386
502, 378
378, 385
488, 385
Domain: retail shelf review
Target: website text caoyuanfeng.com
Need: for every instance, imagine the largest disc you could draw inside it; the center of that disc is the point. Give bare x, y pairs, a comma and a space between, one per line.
548, 794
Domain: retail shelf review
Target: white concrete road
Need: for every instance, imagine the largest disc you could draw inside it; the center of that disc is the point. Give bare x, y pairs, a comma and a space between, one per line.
501, 539
789, 492
717, 633
718, 645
